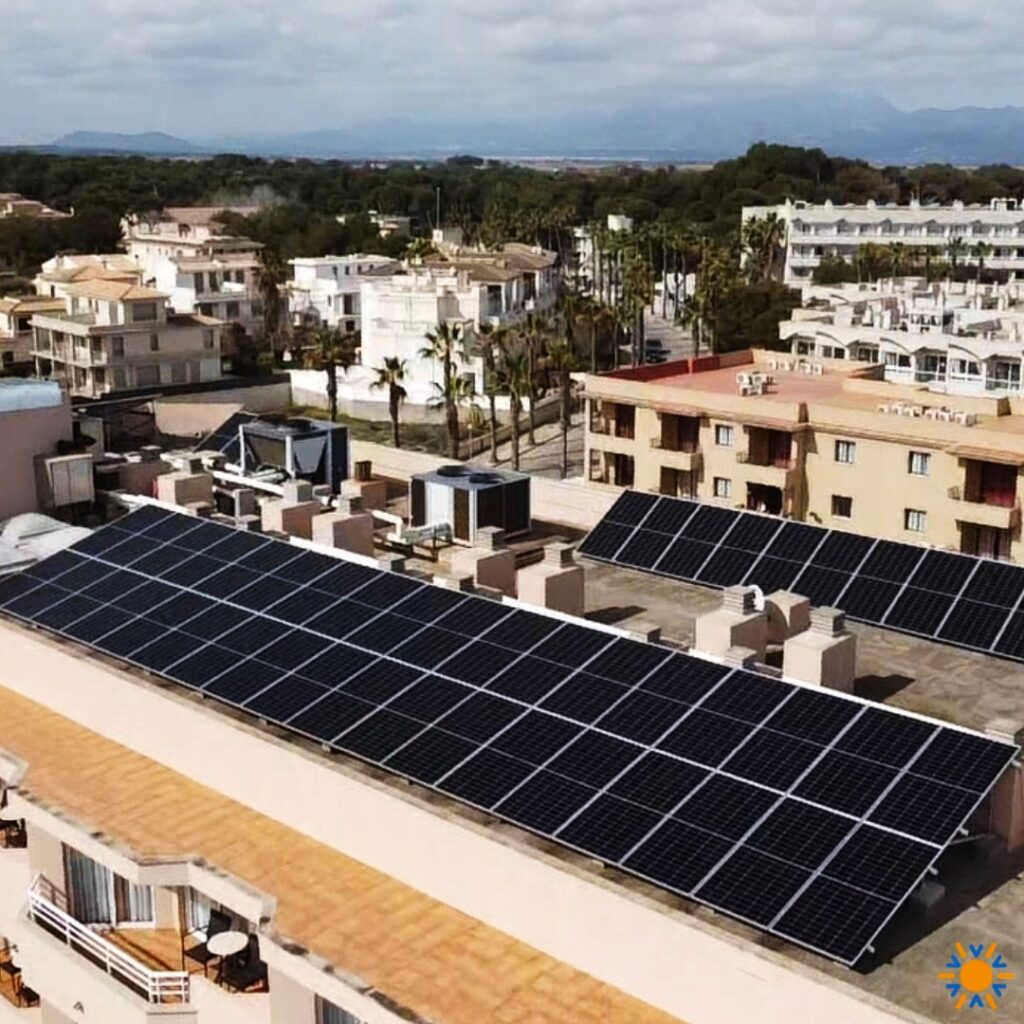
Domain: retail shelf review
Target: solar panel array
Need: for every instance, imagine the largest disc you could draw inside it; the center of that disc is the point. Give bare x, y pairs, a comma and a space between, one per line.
969, 602
225, 438
807, 814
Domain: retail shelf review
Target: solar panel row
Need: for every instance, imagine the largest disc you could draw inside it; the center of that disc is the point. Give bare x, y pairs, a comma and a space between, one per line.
803, 813
957, 599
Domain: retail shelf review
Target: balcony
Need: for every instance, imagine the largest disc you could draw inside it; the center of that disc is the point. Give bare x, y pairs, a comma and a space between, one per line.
128, 960
687, 458
770, 473
982, 513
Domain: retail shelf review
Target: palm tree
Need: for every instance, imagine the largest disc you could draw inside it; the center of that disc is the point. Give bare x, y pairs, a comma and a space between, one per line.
516, 371
563, 360
445, 345
762, 237
390, 376
533, 340
332, 348
637, 293
493, 348
270, 277
981, 250
956, 248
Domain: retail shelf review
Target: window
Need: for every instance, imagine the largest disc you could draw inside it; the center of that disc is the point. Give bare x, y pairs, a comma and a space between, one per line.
117, 347
98, 896
232, 309
846, 452
722, 487
154, 343
8, 358
919, 463
724, 435
328, 1013
842, 507
147, 376
914, 520
142, 311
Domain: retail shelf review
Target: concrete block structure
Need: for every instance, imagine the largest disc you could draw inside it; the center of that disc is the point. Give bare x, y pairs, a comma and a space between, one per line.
736, 624
788, 614
348, 531
294, 518
823, 655
182, 488
556, 583
489, 562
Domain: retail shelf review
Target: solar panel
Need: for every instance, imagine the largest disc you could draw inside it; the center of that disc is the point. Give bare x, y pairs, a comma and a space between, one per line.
956, 599
807, 814
225, 438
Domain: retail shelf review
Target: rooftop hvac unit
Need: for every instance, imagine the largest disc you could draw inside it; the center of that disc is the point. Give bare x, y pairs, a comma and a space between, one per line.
468, 498
64, 480
301, 449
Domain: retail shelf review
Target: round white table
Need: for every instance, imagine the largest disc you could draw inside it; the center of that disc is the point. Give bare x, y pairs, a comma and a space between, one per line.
227, 943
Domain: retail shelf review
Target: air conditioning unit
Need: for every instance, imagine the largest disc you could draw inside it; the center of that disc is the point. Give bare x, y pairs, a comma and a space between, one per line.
64, 480
300, 449
468, 498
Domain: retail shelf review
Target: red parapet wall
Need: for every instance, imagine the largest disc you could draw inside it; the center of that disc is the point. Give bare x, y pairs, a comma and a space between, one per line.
658, 371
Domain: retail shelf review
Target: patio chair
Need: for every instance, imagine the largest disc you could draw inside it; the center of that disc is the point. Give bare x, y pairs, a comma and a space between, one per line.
200, 953
244, 970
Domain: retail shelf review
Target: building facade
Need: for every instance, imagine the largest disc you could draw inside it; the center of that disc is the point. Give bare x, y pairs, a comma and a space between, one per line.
187, 253
326, 289
114, 337
16, 314
819, 441
956, 232
13, 204
467, 288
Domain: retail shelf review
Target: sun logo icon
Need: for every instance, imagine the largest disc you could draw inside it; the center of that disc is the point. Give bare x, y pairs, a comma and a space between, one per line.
976, 977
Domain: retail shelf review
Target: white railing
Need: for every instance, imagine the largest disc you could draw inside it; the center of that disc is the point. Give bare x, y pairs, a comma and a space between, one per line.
153, 986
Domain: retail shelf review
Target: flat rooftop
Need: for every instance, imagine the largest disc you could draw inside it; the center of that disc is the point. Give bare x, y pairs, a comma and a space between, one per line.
985, 885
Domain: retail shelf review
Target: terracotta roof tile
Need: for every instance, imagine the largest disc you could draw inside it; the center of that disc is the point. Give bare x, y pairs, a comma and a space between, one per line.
425, 955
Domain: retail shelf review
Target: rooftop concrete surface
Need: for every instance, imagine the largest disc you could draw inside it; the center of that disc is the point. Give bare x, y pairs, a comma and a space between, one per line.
438, 963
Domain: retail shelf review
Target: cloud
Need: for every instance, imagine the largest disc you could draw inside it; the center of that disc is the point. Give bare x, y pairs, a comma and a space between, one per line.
199, 67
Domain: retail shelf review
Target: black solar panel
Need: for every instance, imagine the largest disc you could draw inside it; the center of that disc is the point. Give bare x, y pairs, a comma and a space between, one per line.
225, 438
961, 600
807, 814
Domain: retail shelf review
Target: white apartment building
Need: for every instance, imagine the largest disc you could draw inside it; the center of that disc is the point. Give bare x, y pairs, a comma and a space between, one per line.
469, 288
59, 273
815, 231
114, 337
584, 272
16, 314
185, 252
326, 289
388, 225
952, 338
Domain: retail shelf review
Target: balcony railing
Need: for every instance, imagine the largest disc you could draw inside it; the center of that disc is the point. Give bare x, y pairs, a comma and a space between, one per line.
155, 987
745, 458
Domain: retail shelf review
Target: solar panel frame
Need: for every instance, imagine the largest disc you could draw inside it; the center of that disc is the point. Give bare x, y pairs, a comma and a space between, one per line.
869, 578
587, 764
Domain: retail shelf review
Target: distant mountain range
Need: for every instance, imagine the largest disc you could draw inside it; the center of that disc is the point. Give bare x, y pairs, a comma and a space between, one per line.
842, 125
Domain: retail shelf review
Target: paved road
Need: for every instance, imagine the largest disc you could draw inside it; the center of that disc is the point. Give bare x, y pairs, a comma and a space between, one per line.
545, 459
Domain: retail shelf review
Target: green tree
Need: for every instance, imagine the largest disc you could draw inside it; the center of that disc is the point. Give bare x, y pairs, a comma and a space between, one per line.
390, 377
637, 295
270, 277
762, 239
332, 348
562, 359
516, 373
445, 345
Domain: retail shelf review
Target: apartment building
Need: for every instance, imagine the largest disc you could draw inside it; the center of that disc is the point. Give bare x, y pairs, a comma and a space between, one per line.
16, 314
166, 855
326, 289
13, 204
112, 336
957, 232
187, 253
953, 338
466, 287
59, 273
816, 440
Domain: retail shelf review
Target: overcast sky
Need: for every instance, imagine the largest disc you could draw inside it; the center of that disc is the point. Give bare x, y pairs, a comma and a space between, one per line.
219, 67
